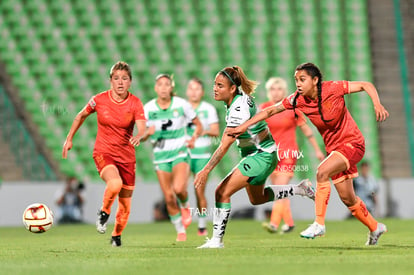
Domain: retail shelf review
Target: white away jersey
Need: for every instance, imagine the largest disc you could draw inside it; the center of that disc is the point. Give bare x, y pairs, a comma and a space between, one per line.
170, 128
207, 115
240, 110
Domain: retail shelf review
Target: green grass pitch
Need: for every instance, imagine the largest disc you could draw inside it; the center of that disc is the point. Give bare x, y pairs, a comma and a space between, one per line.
151, 249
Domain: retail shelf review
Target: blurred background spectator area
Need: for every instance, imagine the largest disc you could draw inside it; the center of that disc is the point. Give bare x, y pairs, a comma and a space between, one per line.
56, 54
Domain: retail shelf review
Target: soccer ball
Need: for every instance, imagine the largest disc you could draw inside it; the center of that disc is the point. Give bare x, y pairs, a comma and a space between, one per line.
38, 218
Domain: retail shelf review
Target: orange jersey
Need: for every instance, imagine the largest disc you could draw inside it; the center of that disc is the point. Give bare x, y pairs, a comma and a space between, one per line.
341, 128
116, 122
282, 126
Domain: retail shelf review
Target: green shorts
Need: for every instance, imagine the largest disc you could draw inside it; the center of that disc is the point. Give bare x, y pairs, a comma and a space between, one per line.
258, 166
168, 166
196, 165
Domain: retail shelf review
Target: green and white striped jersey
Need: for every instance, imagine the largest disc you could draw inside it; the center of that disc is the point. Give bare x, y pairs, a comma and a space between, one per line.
169, 139
207, 115
241, 109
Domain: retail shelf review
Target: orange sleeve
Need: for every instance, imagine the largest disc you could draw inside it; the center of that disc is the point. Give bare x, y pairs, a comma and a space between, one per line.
90, 107
288, 101
345, 85
341, 87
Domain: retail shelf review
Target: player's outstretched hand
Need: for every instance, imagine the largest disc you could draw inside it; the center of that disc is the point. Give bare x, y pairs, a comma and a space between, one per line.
381, 113
200, 179
135, 140
235, 132
320, 155
190, 143
66, 147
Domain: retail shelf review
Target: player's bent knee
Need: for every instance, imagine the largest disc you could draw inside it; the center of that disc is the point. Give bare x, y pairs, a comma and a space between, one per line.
115, 185
322, 175
181, 192
256, 201
170, 198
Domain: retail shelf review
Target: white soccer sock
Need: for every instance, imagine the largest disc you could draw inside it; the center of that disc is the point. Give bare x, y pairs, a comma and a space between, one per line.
202, 221
220, 219
283, 191
177, 222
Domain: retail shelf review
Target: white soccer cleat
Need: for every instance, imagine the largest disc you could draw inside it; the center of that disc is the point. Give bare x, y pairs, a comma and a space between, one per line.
375, 235
306, 189
101, 221
287, 229
314, 230
212, 243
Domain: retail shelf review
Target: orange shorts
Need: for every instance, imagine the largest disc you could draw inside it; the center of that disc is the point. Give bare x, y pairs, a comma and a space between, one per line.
126, 170
286, 166
351, 154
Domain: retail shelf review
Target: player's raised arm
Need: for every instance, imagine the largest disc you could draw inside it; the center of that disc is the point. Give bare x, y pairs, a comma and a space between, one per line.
262, 115
357, 86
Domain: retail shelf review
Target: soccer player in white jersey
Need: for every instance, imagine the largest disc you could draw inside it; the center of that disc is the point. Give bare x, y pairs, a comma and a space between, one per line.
167, 119
201, 152
257, 148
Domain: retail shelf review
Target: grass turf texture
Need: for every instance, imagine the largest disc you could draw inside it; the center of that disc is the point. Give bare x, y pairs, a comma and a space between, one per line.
151, 249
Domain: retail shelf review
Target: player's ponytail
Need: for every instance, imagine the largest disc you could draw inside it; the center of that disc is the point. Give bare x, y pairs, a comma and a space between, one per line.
294, 105
314, 71
237, 77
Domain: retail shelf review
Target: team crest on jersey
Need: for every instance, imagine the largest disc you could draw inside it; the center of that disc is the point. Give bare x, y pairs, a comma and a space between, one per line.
175, 113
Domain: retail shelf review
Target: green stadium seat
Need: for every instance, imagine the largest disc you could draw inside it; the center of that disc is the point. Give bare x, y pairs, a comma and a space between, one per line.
76, 42
208, 14
10, 7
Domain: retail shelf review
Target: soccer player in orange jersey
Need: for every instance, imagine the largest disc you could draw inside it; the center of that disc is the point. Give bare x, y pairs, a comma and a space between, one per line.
324, 104
117, 111
283, 129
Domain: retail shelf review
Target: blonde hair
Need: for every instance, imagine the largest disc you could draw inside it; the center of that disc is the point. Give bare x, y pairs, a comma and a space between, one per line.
120, 66
276, 80
169, 77
238, 78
